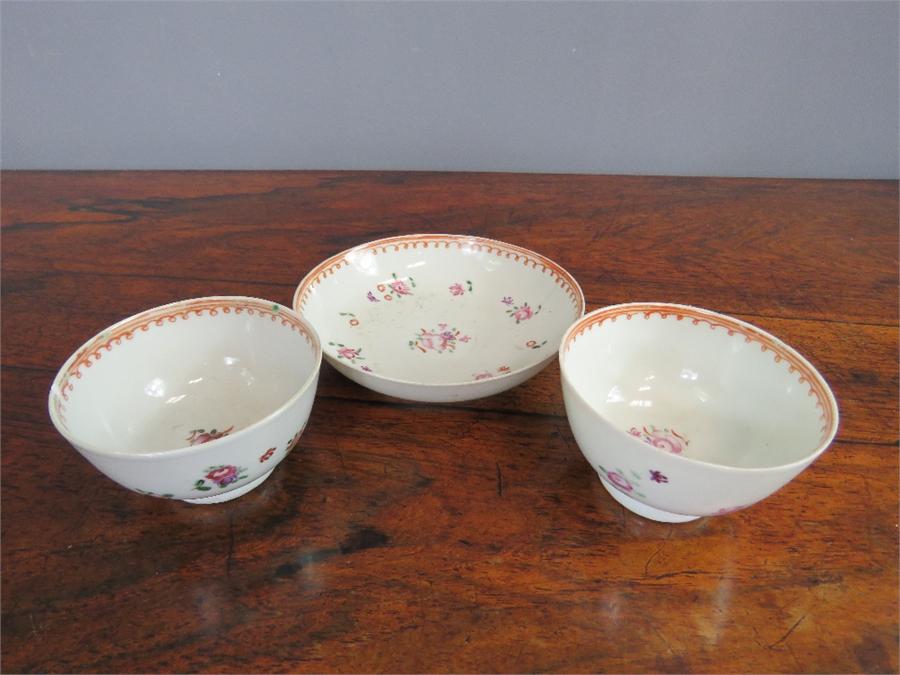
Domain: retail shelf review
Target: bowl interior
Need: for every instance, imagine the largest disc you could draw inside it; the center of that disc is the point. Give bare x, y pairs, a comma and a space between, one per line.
183, 375
439, 310
699, 384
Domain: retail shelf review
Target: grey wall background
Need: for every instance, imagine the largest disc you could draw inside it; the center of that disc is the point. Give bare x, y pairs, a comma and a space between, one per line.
692, 88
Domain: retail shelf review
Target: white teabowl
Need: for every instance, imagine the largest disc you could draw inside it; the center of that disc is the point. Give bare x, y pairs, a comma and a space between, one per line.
434, 317
684, 412
197, 400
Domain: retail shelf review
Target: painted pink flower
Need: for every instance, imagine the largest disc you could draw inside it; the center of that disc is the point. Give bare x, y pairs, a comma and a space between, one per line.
367, 369
348, 353
371, 296
657, 477
524, 312
483, 376
400, 287
440, 339
457, 289
665, 439
268, 453
199, 436
426, 339
507, 301
619, 481
224, 475
294, 439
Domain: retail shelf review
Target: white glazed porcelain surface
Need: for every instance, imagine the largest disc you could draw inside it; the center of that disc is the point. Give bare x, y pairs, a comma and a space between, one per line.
439, 317
684, 412
196, 400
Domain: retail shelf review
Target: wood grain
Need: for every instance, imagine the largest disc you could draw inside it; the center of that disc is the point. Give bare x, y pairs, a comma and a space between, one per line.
470, 537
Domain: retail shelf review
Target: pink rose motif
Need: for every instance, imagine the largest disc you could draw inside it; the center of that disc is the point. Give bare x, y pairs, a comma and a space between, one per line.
267, 454
199, 436
440, 339
348, 353
196, 438
426, 338
507, 301
457, 289
524, 312
665, 439
223, 476
400, 287
619, 481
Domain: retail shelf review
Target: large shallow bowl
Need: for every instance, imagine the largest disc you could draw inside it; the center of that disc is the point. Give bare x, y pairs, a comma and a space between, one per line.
439, 317
198, 400
684, 412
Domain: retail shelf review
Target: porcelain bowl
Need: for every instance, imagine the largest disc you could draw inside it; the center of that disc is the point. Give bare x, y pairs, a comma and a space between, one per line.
197, 400
439, 317
684, 412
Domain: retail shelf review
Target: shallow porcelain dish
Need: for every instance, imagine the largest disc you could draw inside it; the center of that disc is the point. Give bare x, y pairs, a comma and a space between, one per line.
684, 412
439, 317
198, 400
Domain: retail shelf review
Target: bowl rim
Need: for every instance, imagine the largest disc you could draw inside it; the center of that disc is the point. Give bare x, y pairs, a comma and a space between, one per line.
332, 264
663, 308
186, 306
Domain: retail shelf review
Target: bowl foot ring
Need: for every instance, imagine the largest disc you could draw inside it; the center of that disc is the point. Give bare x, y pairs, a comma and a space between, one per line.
231, 494
641, 509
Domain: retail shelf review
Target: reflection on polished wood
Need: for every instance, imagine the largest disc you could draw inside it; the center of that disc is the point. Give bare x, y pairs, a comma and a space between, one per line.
407, 537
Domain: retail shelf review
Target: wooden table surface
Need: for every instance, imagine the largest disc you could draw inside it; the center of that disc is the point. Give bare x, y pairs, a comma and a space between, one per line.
408, 537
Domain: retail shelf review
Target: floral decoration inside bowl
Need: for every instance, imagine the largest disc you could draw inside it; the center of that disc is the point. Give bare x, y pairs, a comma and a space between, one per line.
439, 317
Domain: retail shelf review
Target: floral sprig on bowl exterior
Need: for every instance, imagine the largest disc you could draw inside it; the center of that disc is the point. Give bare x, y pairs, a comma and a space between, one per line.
351, 354
294, 439
221, 476
521, 312
629, 483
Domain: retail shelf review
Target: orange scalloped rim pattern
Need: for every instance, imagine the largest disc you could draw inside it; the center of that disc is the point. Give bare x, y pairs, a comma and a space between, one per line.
106, 342
405, 242
805, 374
